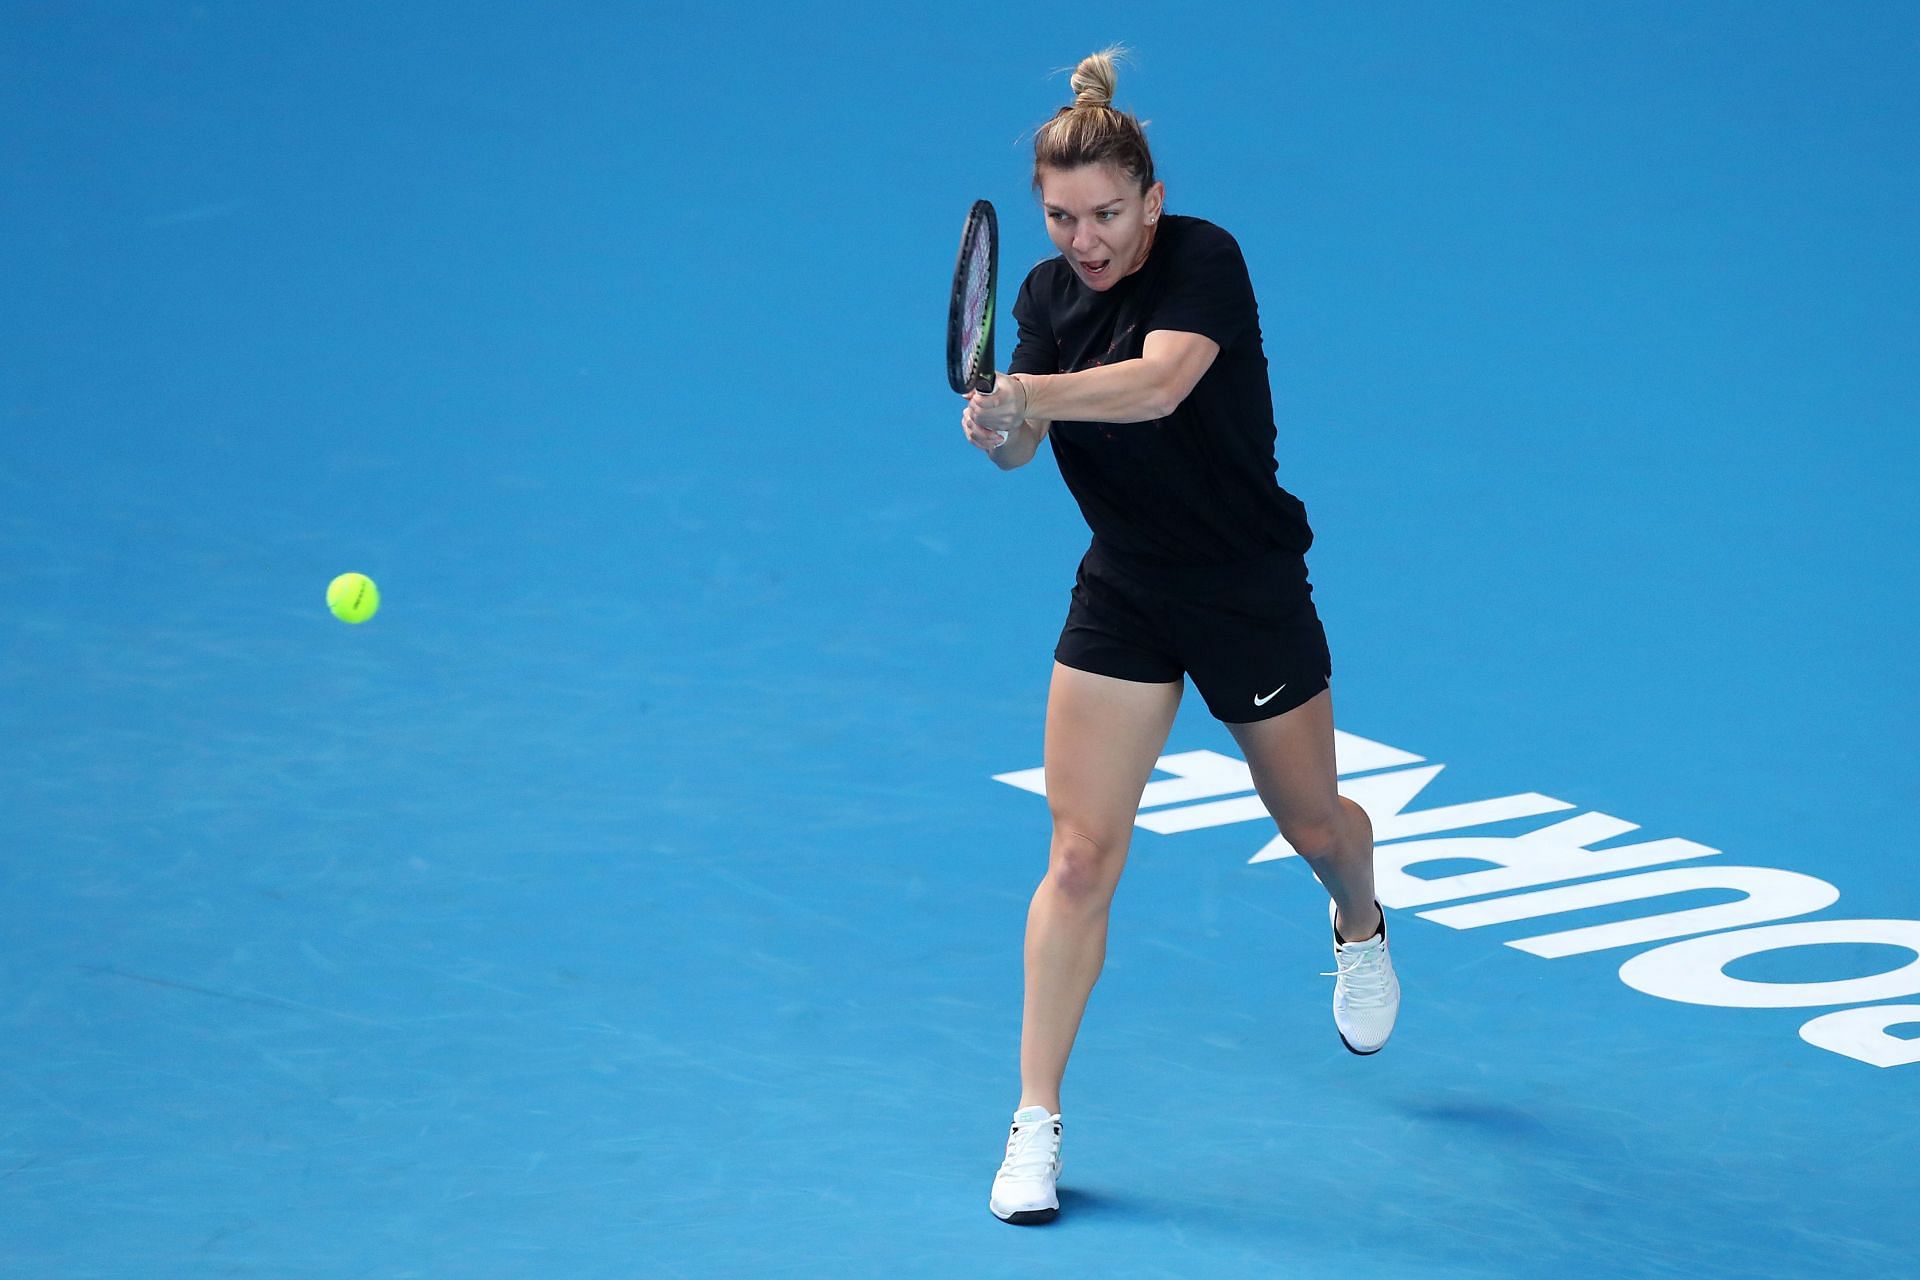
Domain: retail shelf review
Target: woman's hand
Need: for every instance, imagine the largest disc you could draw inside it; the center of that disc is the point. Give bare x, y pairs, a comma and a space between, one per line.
987, 419
1003, 408
983, 438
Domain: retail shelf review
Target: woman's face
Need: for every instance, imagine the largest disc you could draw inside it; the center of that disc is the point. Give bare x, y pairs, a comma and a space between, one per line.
1100, 220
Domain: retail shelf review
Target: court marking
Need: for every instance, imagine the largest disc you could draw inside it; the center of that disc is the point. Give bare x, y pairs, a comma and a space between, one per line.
1205, 790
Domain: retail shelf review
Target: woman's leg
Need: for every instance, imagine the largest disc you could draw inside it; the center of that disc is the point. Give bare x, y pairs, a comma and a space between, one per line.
1291, 757
1103, 736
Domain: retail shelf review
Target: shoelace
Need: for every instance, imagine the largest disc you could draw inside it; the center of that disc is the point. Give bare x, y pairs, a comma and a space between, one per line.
1031, 1150
1365, 976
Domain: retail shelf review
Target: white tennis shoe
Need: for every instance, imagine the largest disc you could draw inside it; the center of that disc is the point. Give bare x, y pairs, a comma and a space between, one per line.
1366, 992
1023, 1190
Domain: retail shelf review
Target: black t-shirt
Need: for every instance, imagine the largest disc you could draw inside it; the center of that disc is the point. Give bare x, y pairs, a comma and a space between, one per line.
1198, 486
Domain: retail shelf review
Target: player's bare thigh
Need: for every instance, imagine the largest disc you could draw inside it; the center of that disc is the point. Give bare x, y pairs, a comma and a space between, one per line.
1291, 759
1103, 737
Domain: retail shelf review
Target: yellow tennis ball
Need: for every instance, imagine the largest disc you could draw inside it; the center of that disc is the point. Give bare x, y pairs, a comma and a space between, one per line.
353, 597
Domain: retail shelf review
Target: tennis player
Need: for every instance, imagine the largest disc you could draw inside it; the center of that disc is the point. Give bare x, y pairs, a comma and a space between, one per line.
1139, 357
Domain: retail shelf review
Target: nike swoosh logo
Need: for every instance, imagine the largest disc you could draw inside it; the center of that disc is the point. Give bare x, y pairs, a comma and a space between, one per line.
1261, 702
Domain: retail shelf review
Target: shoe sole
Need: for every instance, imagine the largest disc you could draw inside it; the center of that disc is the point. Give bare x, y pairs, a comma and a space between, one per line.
1029, 1217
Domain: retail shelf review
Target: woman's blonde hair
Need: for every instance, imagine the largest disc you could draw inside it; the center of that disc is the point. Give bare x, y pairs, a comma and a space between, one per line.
1091, 131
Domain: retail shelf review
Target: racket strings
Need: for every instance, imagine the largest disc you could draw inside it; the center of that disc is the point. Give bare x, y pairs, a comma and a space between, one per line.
979, 300
970, 306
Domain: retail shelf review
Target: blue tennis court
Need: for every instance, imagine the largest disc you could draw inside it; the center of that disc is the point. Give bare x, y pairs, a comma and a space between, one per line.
641, 892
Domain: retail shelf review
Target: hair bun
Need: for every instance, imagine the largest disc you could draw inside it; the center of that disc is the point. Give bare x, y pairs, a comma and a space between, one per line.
1093, 80
1092, 130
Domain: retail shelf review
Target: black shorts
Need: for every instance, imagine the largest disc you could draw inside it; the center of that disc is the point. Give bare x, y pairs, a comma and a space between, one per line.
1247, 633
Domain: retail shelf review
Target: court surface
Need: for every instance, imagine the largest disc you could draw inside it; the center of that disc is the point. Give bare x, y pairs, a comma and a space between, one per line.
640, 894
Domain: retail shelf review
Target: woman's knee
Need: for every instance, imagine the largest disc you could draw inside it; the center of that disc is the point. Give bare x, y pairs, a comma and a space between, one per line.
1318, 835
1085, 862
1314, 837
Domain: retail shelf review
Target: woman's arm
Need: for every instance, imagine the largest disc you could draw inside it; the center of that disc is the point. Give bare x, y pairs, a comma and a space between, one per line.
1022, 443
1171, 364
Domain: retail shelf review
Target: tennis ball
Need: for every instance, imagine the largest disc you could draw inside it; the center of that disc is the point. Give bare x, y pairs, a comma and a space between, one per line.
353, 597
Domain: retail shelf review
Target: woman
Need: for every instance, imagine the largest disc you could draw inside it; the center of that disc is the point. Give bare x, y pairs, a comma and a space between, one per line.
1139, 356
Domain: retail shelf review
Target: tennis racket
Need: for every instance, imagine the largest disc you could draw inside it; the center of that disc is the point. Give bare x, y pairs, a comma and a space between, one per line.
970, 311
